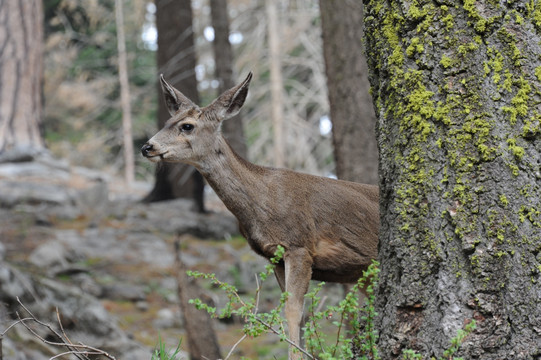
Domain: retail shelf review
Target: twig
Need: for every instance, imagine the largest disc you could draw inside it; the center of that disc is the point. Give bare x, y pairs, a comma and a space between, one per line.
255, 312
257, 294
12, 325
33, 317
76, 353
62, 327
313, 323
268, 326
234, 346
78, 350
48, 342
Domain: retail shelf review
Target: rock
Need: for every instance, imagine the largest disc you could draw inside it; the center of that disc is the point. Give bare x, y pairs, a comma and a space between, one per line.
142, 305
16, 192
87, 284
109, 238
93, 201
13, 284
81, 313
50, 254
167, 318
32, 162
50, 181
124, 292
20, 154
14, 351
30, 169
151, 249
177, 217
90, 175
84, 315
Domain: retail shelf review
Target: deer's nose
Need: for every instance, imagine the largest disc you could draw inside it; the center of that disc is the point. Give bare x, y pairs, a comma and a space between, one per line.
145, 150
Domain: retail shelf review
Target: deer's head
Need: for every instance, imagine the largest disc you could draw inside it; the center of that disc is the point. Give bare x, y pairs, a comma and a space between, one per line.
191, 133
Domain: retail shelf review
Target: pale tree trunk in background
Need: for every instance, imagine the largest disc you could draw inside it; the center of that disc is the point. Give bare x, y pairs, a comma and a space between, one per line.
21, 58
277, 88
352, 110
457, 93
176, 60
223, 57
129, 166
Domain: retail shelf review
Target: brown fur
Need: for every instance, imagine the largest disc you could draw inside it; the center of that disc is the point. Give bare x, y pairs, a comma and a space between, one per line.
329, 228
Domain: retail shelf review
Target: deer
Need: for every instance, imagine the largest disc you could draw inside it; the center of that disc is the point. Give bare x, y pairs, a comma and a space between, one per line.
327, 227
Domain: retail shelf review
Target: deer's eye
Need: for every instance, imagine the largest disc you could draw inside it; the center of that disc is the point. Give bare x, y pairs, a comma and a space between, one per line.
186, 127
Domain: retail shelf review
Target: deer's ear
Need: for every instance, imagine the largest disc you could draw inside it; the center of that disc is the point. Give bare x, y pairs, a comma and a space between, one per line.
229, 103
174, 99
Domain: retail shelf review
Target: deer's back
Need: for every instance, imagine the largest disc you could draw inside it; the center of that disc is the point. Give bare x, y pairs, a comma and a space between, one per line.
337, 221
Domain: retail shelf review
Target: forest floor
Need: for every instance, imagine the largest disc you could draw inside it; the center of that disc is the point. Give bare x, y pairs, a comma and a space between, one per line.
85, 230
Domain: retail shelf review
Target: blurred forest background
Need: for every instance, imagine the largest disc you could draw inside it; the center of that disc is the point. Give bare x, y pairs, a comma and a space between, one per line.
83, 113
78, 81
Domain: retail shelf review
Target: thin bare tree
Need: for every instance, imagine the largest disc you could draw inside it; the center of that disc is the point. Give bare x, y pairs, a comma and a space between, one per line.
129, 167
223, 55
21, 65
304, 95
277, 103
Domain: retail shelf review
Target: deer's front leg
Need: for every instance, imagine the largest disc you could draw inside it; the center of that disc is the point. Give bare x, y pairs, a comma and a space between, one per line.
298, 272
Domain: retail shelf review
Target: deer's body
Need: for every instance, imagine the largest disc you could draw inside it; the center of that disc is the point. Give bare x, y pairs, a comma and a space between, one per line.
329, 228
327, 217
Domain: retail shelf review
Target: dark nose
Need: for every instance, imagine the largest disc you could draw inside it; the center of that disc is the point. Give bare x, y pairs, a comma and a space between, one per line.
146, 149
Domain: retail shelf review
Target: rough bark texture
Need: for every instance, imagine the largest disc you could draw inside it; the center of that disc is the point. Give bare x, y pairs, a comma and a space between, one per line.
21, 58
457, 89
176, 60
352, 110
201, 338
223, 57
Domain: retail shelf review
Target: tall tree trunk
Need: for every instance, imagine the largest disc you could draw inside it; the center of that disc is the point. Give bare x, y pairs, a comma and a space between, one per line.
223, 57
351, 107
129, 163
457, 88
21, 66
277, 87
176, 60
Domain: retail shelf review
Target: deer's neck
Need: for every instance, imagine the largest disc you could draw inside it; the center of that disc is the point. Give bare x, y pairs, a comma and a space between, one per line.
236, 181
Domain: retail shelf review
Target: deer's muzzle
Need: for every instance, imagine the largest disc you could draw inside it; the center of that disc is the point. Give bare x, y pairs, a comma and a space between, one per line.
146, 150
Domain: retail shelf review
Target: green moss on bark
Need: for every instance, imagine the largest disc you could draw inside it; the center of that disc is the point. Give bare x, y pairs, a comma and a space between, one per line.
457, 91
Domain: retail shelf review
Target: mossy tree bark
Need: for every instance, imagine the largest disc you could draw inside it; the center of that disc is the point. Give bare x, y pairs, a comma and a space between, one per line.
457, 88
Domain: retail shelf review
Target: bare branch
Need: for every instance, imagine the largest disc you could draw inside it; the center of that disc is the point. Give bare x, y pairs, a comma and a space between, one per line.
235, 346
78, 350
269, 327
65, 336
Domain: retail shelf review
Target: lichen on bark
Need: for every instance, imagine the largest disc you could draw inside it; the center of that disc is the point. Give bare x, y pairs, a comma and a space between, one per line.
457, 92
